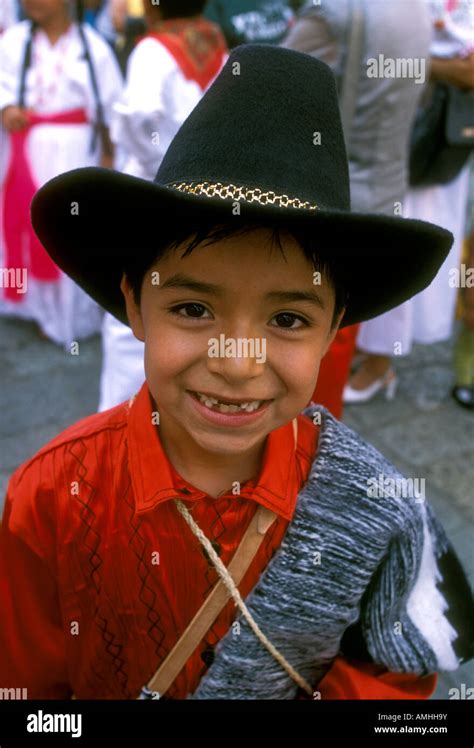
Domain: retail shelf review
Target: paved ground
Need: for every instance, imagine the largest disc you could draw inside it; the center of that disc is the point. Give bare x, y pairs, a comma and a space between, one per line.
424, 433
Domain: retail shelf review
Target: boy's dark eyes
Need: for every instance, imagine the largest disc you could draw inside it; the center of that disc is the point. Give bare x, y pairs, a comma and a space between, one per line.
193, 310
287, 321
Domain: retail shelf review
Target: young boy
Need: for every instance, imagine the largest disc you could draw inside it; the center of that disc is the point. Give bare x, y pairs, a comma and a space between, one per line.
58, 83
235, 267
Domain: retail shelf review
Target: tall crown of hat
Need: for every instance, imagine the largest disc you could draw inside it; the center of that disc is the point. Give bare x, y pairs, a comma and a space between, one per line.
268, 131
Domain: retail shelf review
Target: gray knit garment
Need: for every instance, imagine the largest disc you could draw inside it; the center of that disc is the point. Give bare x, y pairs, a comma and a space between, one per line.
387, 586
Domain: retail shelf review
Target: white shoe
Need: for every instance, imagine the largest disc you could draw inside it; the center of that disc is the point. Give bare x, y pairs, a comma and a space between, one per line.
388, 382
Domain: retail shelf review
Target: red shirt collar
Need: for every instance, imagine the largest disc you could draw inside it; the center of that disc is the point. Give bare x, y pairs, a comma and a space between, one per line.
155, 480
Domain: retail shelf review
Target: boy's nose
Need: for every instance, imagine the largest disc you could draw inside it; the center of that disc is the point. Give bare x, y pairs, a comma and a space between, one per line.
237, 359
236, 369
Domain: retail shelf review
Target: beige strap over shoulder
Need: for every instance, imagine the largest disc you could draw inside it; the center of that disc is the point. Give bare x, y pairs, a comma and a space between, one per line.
214, 603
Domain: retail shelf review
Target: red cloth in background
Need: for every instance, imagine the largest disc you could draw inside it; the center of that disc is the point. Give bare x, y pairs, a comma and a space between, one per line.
196, 44
334, 370
22, 247
347, 680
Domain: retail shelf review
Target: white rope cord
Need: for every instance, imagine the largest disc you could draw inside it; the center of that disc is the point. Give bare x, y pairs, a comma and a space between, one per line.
233, 589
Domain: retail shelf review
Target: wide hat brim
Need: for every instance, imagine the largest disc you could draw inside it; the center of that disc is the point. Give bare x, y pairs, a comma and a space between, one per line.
92, 221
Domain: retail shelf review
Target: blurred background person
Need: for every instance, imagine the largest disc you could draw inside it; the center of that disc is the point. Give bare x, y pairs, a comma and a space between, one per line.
185, 52
377, 117
429, 316
58, 81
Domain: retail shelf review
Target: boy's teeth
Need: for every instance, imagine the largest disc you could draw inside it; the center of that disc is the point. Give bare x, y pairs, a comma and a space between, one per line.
211, 402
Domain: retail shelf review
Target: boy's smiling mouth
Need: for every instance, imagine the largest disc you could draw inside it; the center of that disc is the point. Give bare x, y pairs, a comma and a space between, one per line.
228, 404
220, 409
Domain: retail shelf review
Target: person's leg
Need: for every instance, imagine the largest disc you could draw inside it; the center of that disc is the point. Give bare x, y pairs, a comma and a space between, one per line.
372, 367
123, 371
379, 340
434, 308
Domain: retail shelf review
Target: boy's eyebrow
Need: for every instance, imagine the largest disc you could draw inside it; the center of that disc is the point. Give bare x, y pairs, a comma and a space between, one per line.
288, 296
179, 280
184, 281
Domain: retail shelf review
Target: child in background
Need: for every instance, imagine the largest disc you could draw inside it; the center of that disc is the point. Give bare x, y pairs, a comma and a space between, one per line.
58, 81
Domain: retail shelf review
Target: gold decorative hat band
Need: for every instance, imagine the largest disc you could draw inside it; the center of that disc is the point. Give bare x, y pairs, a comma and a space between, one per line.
249, 194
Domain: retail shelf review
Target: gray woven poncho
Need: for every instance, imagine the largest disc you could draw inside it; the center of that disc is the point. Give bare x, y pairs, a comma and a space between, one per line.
370, 576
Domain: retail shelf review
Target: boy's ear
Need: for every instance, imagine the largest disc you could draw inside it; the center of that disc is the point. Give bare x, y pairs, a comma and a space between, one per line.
333, 332
133, 311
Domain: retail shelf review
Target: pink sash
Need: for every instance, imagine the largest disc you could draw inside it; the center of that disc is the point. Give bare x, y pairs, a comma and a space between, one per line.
22, 247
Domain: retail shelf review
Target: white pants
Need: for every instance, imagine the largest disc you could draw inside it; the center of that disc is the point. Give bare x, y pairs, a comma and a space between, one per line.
123, 371
428, 317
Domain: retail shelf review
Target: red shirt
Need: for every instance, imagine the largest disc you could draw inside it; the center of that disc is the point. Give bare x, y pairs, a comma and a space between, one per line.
100, 574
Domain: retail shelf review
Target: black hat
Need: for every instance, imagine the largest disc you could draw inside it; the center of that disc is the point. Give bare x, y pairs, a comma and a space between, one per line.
266, 135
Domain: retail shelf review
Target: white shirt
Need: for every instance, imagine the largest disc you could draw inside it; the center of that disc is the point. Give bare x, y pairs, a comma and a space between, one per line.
156, 100
58, 77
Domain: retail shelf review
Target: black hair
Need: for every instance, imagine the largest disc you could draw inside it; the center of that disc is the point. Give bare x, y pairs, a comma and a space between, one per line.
179, 8
208, 232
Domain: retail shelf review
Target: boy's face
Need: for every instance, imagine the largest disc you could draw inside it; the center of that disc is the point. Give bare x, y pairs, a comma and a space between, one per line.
225, 322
